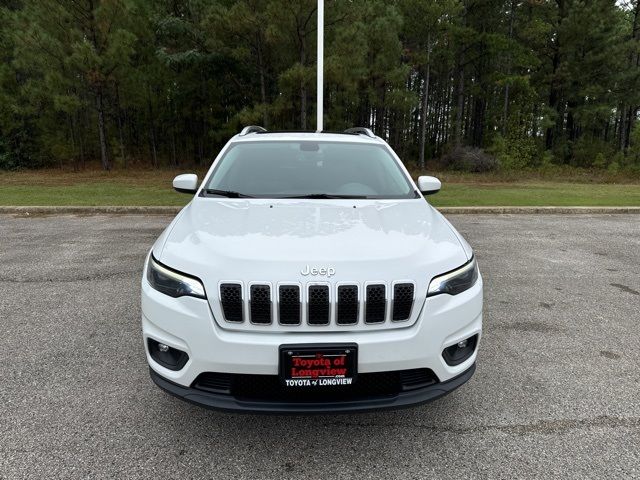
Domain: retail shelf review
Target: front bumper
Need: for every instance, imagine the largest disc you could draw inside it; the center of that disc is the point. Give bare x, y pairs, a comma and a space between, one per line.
232, 404
187, 324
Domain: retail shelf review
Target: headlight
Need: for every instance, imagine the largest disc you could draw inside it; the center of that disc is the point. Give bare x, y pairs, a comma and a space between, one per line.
173, 283
456, 281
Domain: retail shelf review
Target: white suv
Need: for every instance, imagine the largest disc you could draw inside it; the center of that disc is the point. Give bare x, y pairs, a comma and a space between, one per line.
309, 274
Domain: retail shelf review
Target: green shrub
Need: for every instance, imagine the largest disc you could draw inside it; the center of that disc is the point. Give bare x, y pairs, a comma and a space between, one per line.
600, 161
514, 152
547, 159
590, 152
16, 151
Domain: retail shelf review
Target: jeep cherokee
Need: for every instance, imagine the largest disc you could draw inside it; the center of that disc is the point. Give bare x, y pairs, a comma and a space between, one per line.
308, 273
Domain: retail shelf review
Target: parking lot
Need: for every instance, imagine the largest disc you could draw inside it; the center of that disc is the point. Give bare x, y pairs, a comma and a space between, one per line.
556, 393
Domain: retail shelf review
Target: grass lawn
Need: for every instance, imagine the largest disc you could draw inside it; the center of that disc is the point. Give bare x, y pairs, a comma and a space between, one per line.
537, 194
153, 187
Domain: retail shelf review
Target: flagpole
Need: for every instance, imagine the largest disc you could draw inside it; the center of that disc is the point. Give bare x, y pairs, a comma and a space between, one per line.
320, 62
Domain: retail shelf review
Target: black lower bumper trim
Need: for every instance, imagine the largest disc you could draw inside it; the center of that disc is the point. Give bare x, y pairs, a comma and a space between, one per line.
232, 404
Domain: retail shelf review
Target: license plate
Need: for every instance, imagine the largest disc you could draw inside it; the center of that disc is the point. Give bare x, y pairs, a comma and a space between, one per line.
308, 366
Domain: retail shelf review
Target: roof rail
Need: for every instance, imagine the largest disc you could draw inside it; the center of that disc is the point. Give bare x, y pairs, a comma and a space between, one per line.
252, 129
360, 131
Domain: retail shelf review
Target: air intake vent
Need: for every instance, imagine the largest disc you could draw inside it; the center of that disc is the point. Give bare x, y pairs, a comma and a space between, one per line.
269, 388
417, 378
318, 305
347, 305
214, 382
376, 304
260, 304
231, 300
289, 304
402, 301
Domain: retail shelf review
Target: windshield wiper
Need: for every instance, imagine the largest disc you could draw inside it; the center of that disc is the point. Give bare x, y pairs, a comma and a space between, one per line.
225, 193
326, 195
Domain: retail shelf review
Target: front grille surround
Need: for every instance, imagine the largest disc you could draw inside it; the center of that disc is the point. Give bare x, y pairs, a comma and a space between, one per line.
281, 312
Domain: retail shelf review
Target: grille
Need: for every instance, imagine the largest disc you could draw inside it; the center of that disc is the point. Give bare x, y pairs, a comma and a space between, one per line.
402, 301
318, 306
260, 304
347, 305
376, 305
269, 388
231, 300
289, 304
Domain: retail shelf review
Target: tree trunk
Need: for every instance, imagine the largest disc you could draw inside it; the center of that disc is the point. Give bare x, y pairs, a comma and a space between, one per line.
457, 132
152, 134
174, 126
81, 137
120, 128
303, 90
554, 95
303, 107
479, 107
554, 88
459, 75
104, 148
635, 63
425, 105
152, 144
263, 89
174, 158
72, 131
505, 108
570, 127
626, 123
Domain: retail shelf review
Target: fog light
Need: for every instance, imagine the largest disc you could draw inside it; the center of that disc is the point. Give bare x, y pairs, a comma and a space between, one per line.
461, 351
167, 356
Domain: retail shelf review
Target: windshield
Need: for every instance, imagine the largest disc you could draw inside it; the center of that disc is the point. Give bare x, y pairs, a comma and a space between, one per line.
308, 169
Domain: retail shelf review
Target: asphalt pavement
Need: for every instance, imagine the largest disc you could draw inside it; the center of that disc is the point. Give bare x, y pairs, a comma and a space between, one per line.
556, 393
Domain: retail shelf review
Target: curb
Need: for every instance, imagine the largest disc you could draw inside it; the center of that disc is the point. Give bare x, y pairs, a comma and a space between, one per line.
167, 210
539, 210
88, 210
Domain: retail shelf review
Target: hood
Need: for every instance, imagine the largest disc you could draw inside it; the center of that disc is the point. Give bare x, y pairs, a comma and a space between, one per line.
276, 240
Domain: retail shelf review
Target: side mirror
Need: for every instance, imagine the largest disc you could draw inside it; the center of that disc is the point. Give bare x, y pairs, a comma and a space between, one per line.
186, 183
429, 185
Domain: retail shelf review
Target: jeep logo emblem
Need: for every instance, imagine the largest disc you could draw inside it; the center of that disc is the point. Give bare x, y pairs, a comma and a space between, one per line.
318, 271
